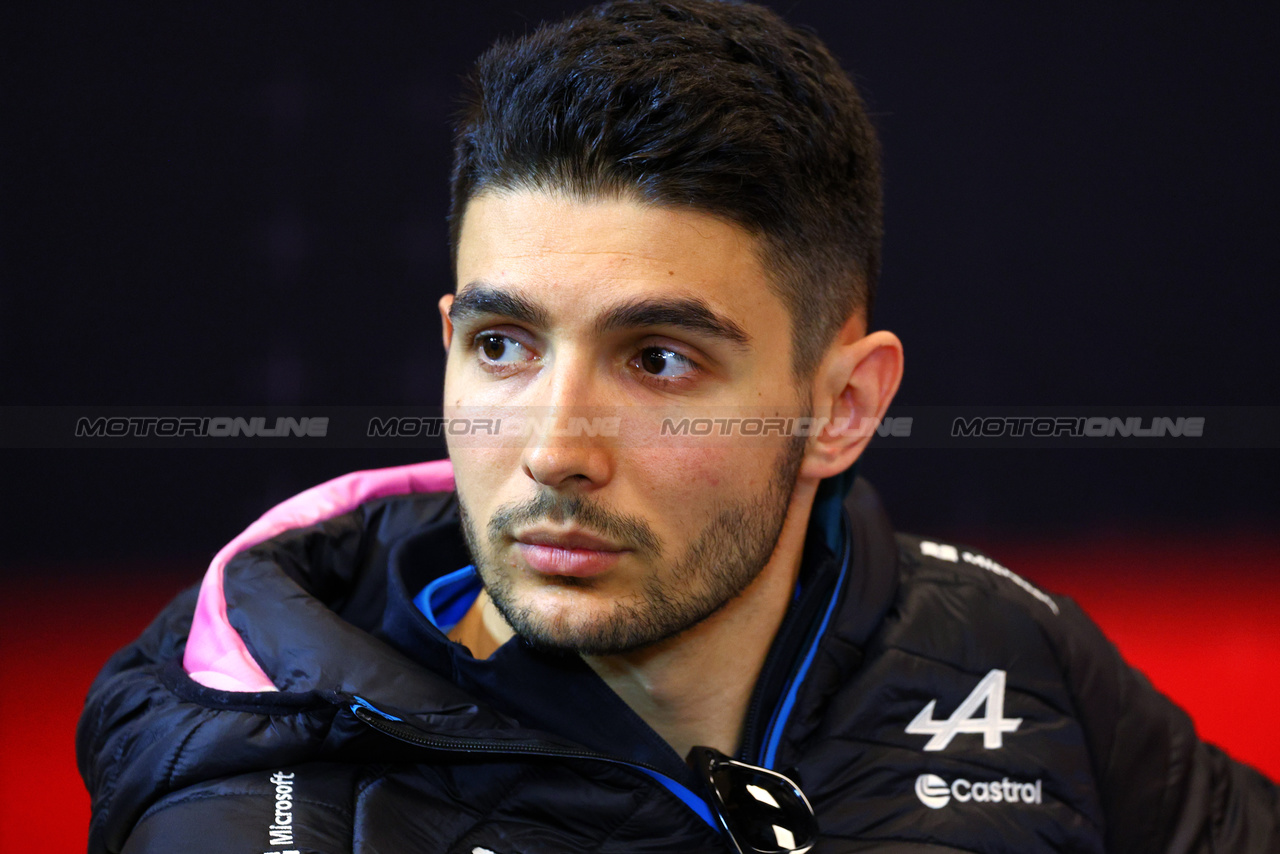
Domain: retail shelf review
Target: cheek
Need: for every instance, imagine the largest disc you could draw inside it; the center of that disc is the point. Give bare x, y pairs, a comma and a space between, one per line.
482, 441
479, 471
692, 483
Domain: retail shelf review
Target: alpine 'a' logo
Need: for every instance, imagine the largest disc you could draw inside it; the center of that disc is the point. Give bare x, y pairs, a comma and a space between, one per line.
993, 724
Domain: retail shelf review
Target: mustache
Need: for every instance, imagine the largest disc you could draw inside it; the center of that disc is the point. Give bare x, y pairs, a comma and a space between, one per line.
629, 532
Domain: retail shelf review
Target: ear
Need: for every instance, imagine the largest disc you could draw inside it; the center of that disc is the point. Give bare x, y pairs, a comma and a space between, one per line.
853, 387
446, 303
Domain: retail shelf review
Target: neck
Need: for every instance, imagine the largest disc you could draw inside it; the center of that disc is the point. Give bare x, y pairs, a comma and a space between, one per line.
695, 688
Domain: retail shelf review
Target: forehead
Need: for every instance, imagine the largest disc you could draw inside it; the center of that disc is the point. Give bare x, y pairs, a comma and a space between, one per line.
579, 255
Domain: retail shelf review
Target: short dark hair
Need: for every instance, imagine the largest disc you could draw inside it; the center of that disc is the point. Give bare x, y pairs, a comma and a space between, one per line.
717, 106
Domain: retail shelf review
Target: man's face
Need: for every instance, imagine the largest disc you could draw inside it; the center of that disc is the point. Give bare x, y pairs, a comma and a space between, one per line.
610, 537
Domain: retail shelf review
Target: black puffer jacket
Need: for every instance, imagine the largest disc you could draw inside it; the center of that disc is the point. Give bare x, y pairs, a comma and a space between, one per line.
926, 699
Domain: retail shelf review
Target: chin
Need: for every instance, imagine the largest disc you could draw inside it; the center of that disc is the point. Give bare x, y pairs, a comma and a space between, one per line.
573, 625
585, 623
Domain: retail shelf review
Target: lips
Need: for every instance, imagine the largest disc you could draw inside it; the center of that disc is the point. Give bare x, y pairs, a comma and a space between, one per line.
572, 553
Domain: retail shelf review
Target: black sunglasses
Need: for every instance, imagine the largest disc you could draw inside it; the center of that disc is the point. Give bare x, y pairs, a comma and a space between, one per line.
761, 811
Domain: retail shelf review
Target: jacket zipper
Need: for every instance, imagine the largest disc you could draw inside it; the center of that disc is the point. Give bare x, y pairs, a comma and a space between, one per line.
412, 734
750, 748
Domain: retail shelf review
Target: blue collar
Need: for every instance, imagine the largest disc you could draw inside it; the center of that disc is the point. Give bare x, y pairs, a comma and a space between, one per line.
446, 600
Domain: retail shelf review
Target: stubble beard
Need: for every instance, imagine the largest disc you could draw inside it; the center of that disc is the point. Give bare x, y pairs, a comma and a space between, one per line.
727, 555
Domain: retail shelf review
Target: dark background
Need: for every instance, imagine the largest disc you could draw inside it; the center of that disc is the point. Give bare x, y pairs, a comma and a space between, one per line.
243, 204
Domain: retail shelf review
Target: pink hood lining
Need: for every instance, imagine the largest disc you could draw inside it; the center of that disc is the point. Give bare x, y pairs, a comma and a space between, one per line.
216, 655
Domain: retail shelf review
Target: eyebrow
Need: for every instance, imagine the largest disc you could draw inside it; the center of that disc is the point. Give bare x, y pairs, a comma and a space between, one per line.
691, 314
478, 299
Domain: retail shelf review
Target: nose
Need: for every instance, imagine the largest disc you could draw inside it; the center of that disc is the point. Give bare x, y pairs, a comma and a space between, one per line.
568, 446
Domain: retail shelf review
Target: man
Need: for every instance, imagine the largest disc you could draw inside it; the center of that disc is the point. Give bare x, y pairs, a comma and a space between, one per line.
616, 636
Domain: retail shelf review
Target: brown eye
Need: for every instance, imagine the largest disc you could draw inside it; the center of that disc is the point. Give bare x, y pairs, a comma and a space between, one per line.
493, 347
664, 363
496, 350
654, 361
